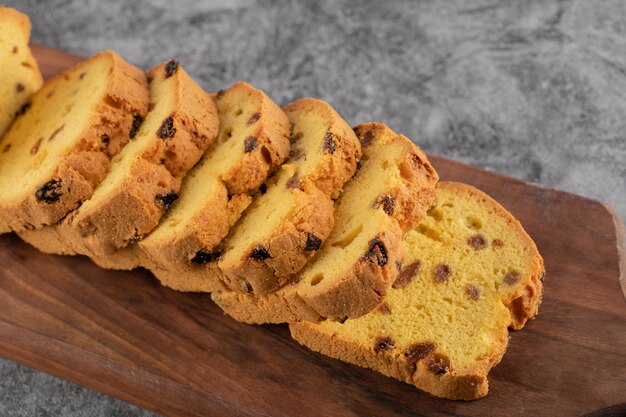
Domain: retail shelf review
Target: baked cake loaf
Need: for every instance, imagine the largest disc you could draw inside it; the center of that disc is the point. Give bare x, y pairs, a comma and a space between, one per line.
288, 223
470, 272
253, 140
144, 178
20, 73
56, 152
353, 271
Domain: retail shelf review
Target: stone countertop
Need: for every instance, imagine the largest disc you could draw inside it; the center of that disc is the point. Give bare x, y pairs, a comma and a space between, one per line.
534, 89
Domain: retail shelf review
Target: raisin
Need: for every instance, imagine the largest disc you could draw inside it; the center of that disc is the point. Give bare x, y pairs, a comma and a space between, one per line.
19, 87
406, 275
167, 129
254, 118
377, 251
259, 253
438, 364
312, 242
250, 144
204, 257
472, 292
497, 243
134, 127
297, 154
220, 94
49, 192
55, 133
293, 183
166, 200
23, 109
36, 146
418, 351
384, 309
366, 138
329, 143
105, 140
383, 343
171, 67
478, 242
386, 202
442, 273
511, 278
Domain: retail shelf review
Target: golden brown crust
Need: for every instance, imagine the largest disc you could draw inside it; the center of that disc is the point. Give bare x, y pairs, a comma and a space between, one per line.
338, 167
312, 216
149, 186
85, 165
451, 385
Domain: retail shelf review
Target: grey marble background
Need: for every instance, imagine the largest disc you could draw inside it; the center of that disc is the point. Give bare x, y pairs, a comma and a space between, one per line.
532, 89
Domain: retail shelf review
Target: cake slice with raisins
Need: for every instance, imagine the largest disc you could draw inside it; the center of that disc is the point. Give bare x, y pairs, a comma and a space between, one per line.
354, 269
470, 272
20, 73
144, 178
59, 149
253, 141
286, 224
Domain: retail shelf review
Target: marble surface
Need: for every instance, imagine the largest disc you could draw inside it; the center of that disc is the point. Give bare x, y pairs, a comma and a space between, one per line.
532, 89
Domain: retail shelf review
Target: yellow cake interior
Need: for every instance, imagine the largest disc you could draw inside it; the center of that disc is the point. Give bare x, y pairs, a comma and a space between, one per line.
37, 141
469, 257
20, 76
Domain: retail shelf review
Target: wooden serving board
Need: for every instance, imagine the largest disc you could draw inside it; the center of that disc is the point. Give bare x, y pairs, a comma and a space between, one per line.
123, 334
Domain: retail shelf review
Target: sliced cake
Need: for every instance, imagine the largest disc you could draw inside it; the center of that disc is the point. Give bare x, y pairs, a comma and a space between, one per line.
470, 272
253, 140
144, 178
287, 224
59, 149
20, 73
354, 269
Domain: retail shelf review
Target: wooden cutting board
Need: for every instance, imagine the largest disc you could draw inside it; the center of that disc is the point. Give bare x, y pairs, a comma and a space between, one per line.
123, 334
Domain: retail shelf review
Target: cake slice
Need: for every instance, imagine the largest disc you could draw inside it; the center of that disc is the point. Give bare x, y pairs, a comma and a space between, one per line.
287, 224
59, 149
253, 141
20, 73
354, 269
470, 272
144, 178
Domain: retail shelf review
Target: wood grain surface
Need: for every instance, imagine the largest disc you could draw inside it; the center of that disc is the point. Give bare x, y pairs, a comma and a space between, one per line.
123, 334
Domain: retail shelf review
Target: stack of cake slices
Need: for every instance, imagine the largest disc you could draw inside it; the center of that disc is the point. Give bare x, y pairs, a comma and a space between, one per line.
284, 215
